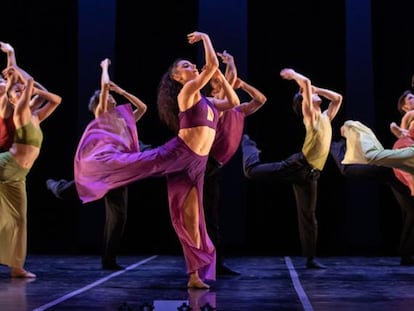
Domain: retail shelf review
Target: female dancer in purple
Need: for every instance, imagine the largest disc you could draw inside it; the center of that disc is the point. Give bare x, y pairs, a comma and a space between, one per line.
107, 156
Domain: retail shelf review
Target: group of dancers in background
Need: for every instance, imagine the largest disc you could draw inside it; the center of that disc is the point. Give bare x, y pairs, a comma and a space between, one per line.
204, 110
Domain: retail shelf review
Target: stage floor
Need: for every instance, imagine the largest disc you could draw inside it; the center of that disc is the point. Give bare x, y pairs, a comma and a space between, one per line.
158, 283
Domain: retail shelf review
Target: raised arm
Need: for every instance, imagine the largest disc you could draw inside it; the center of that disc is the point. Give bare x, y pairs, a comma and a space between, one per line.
334, 98
230, 97
230, 72
11, 60
37, 101
8, 49
105, 81
141, 107
211, 62
258, 99
306, 90
37, 95
52, 101
19, 81
231, 69
4, 102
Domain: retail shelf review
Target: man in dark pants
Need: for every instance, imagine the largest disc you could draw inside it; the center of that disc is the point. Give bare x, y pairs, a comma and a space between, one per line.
116, 205
400, 191
304, 179
302, 169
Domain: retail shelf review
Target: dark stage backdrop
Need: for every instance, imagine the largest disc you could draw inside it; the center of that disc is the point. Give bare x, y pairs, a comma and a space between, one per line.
363, 50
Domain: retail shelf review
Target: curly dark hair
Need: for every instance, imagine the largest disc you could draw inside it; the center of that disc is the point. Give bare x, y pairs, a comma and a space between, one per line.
167, 103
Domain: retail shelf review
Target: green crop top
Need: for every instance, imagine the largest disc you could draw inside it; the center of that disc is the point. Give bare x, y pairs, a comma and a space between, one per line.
29, 135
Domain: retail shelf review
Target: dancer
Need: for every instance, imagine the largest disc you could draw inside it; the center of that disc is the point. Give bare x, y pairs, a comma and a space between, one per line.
107, 156
301, 169
7, 128
399, 180
404, 134
115, 200
400, 191
16, 163
228, 136
363, 147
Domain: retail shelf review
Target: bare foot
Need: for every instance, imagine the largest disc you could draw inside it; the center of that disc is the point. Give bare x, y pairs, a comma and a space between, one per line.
21, 273
196, 282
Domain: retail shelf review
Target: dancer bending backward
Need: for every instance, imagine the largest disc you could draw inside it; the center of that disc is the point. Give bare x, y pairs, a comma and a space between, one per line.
301, 169
400, 191
16, 163
404, 134
228, 136
107, 156
7, 128
396, 179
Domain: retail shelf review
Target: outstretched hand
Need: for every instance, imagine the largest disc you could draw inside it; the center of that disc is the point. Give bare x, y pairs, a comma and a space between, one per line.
225, 57
105, 63
115, 88
195, 37
237, 84
9, 72
287, 73
398, 131
5, 47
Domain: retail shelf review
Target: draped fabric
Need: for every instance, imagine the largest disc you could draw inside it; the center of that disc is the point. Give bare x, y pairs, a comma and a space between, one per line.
13, 212
363, 147
108, 157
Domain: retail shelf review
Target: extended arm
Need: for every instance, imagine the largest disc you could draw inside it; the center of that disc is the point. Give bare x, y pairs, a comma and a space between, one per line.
306, 90
257, 101
230, 97
211, 62
231, 70
52, 101
334, 98
19, 79
103, 97
141, 107
11, 57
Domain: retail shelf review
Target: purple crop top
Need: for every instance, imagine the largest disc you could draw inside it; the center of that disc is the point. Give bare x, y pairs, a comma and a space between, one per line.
197, 115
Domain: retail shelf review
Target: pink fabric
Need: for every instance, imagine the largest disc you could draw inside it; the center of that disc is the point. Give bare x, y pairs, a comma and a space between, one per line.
228, 135
108, 157
179, 184
405, 177
7, 130
113, 132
